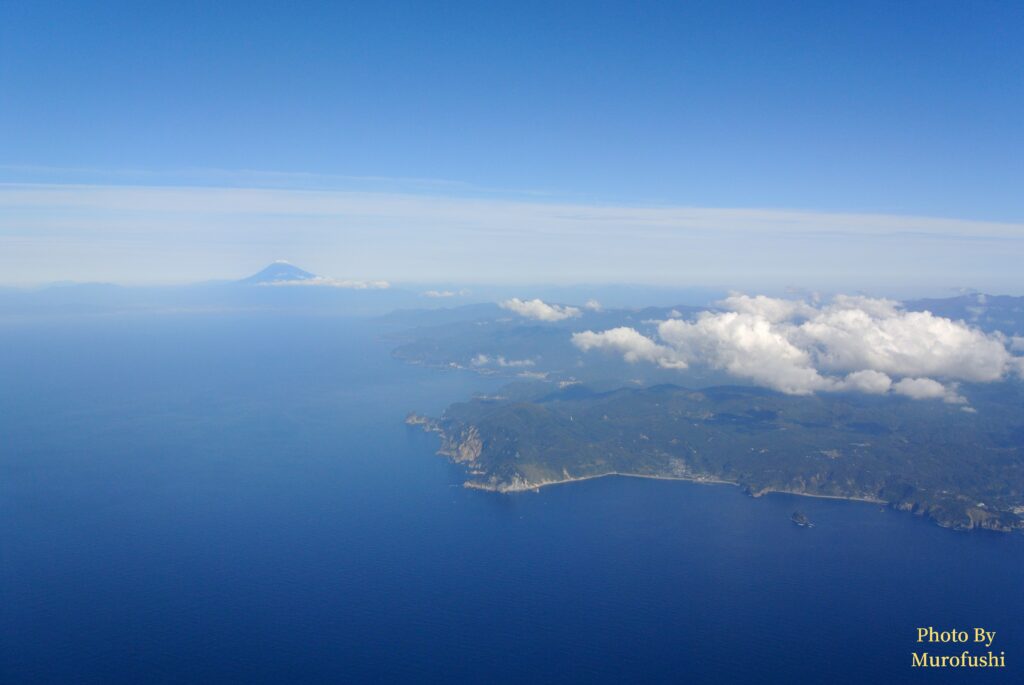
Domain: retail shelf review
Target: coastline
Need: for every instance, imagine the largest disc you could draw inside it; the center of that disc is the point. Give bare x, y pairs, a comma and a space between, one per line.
535, 487
431, 425
467, 450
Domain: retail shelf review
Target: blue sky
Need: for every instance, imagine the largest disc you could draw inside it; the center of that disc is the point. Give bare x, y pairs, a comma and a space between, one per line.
908, 109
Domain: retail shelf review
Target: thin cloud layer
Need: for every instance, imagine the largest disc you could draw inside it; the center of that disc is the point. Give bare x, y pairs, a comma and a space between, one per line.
850, 344
540, 310
325, 282
149, 233
486, 360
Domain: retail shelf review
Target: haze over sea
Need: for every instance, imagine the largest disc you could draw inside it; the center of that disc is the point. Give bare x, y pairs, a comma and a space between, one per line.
234, 497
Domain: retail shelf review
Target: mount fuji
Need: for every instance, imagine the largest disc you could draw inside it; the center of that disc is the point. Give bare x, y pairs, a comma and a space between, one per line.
279, 272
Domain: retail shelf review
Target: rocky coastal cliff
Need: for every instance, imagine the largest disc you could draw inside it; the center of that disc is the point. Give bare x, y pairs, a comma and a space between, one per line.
802, 446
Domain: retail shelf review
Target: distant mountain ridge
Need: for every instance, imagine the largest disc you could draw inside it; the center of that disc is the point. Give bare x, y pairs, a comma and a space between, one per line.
278, 286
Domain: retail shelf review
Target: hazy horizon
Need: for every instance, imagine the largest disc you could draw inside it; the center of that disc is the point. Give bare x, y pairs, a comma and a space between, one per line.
161, 235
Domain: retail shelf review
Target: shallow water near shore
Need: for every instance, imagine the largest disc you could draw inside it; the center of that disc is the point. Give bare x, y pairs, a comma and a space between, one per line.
236, 499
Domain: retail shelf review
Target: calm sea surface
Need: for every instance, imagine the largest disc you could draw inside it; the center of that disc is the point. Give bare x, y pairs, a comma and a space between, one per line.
213, 499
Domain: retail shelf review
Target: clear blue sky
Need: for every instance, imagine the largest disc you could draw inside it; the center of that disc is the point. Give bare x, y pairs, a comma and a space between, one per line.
900, 108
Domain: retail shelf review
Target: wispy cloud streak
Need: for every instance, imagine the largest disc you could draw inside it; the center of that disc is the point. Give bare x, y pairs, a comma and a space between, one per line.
114, 229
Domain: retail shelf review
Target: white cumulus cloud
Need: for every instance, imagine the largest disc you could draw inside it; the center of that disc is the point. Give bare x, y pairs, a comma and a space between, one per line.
926, 389
770, 308
540, 310
852, 343
868, 381
633, 345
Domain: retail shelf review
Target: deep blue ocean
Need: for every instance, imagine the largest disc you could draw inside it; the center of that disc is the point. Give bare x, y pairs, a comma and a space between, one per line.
235, 499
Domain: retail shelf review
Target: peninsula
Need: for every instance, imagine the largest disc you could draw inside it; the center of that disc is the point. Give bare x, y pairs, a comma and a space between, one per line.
959, 468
